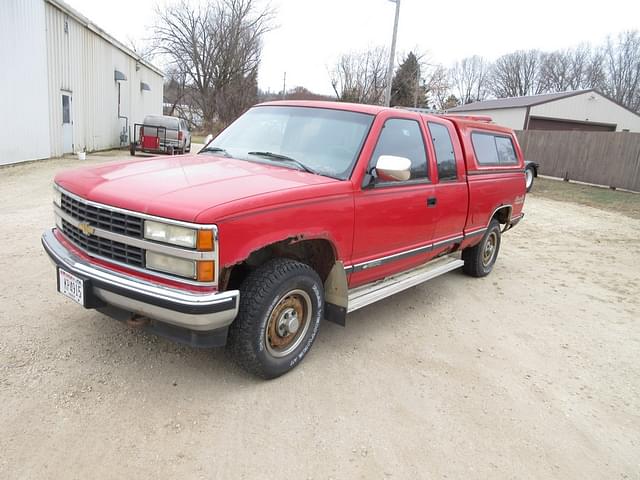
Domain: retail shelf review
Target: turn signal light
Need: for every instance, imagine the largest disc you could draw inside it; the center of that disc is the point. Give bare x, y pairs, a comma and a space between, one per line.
205, 240
206, 271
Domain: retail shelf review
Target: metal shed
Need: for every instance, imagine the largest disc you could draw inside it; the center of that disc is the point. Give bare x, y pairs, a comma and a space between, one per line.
584, 110
69, 86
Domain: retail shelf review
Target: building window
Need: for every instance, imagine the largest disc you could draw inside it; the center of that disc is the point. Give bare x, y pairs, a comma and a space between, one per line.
66, 109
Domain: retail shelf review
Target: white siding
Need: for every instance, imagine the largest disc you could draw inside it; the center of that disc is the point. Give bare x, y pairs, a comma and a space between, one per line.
83, 63
507, 117
589, 107
23, 82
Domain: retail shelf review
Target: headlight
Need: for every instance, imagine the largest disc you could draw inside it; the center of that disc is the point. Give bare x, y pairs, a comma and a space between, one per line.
173, 234
170, 264
57, 196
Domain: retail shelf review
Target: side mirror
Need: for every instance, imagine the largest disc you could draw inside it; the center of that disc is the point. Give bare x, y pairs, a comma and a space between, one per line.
392, 168
207, 139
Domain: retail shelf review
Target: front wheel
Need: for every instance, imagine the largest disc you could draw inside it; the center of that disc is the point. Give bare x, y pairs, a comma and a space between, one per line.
281, 305
479, 259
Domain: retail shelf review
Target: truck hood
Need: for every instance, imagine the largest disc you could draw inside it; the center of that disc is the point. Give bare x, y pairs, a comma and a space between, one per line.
181, 187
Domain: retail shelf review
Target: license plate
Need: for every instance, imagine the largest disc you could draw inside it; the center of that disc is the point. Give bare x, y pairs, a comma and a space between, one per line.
71, 286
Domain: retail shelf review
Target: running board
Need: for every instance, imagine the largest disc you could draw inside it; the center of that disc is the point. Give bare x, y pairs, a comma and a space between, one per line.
367, 294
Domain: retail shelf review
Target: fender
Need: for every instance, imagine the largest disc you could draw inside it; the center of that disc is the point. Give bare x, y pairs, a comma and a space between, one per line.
336, 295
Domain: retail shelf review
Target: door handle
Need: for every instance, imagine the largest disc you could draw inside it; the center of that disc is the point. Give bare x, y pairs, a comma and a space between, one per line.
431, 202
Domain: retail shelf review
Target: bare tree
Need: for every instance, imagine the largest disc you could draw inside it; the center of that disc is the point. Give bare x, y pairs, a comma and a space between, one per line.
517, 74
216, 46
437, 86
469, 77
361, 77
622, 69
571, 69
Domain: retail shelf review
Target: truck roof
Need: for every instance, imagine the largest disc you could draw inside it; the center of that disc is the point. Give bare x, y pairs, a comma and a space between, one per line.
479, 121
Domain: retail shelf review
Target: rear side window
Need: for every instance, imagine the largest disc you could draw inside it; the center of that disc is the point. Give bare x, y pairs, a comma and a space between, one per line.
493, 149
445, 155
403, 138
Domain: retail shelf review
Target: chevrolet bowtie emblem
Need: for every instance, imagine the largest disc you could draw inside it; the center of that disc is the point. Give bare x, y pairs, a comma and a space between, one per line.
86, 229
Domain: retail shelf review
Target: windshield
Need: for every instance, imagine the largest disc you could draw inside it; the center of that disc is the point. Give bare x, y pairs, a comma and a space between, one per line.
324, 141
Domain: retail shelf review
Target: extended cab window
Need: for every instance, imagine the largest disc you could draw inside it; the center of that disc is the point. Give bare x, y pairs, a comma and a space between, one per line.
403, 138
491, 149
445, 156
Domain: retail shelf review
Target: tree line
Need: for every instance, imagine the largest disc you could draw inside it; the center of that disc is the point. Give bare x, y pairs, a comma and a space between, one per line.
613, 68
211, 51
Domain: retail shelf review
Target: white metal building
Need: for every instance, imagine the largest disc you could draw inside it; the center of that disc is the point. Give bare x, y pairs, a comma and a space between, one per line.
66, 84
577, 110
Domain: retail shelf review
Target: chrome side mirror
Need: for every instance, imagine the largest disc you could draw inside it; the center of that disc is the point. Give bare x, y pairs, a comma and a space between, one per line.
390, 168
207, 139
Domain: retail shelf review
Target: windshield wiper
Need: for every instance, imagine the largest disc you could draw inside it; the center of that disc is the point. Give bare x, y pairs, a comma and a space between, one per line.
216, 150
277, 156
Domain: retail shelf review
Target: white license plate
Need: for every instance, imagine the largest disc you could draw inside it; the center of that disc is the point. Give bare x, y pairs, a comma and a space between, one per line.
71, 286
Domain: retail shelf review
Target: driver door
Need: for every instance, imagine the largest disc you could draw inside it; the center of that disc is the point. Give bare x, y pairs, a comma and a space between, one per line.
394, 221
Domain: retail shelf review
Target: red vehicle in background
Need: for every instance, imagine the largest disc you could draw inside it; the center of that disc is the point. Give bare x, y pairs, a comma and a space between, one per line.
161, 134
298, 211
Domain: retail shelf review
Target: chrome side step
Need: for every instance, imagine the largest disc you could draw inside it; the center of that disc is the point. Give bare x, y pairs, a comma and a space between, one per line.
362, 296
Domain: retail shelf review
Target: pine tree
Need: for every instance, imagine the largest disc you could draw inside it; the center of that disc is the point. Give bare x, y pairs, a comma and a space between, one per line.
407, 83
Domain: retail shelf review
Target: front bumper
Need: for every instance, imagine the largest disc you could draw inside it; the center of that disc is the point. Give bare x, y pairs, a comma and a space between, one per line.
185, 309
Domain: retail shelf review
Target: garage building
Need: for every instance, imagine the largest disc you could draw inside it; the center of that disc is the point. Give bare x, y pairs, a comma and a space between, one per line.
67, 85
576, 110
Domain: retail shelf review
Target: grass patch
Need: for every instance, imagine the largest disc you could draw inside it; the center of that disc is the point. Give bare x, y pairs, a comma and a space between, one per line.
198, 138
616, 201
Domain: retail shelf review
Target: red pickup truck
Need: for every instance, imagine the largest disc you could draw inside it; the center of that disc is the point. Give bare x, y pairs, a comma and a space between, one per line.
296, 212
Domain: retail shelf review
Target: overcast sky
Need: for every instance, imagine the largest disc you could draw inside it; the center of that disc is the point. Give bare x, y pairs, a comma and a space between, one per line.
311, 34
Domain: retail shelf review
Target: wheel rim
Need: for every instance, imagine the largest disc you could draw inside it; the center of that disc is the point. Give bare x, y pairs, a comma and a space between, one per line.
288, 323
529, 177
489, 249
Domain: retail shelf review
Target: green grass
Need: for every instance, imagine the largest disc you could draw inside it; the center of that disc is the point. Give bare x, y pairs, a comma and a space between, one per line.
198, 138
626, 203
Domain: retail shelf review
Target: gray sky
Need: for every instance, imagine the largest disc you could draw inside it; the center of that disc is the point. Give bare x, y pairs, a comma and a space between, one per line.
311, 34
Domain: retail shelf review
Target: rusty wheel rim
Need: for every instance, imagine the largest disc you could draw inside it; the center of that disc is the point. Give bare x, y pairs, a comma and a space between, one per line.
288, 323
489, 249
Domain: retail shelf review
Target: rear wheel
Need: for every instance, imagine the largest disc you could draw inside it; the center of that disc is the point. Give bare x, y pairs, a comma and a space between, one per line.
281, 305
479, 259
529, 175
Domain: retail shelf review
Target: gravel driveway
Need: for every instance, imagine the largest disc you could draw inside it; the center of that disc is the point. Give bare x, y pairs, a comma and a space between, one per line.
532, 372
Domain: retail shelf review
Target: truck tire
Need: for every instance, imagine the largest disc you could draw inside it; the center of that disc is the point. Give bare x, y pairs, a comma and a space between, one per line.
479, 259
281, 305
132, 149
529, 175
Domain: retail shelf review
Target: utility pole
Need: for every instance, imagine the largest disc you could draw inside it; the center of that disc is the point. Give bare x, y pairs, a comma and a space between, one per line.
417, 89
392, 55
284, 85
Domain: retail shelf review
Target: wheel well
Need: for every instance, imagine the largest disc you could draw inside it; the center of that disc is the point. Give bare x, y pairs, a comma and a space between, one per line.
503, 214
319, 254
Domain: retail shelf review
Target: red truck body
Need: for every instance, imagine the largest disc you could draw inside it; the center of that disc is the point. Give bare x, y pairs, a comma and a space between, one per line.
374, 233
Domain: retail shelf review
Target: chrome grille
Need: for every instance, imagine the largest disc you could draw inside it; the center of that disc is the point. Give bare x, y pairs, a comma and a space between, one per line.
116, 222
104, 247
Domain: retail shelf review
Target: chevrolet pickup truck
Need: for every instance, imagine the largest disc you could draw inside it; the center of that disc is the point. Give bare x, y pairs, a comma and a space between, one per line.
298, 211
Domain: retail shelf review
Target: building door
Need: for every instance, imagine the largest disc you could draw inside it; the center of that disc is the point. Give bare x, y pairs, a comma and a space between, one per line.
67, 124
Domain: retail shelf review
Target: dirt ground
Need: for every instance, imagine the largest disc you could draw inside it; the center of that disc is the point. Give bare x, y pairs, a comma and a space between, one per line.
532, 372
